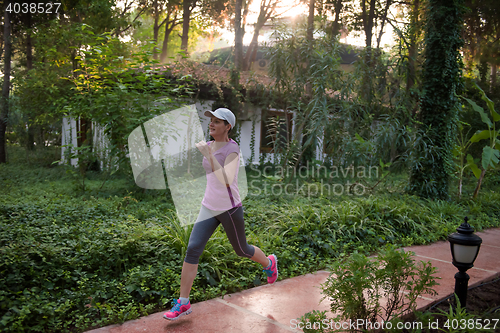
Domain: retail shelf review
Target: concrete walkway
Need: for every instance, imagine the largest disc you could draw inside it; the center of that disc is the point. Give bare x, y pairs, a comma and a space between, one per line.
275, 308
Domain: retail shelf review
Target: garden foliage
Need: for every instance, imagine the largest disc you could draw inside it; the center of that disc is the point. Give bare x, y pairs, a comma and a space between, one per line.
491, 151
358, 283
73, 260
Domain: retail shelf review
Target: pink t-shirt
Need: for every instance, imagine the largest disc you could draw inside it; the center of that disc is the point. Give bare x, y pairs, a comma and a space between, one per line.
217, 195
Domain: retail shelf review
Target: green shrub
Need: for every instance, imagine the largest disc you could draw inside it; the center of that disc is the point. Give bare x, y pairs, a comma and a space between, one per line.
358, 283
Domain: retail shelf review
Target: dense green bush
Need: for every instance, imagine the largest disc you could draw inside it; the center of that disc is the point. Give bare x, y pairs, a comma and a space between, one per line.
73, 260
357, 284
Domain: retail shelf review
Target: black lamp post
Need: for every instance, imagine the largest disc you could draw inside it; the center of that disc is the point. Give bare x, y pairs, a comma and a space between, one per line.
464, 249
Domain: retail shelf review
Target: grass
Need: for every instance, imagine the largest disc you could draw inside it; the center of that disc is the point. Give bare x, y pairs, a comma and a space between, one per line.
71, 260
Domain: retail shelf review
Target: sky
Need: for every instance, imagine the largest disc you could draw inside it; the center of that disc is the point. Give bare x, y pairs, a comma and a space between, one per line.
292, 8
288, 8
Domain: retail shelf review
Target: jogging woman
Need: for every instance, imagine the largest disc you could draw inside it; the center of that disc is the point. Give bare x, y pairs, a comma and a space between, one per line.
221, 204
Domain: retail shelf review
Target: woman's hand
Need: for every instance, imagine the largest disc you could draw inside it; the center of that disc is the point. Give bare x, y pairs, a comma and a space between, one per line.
204, 149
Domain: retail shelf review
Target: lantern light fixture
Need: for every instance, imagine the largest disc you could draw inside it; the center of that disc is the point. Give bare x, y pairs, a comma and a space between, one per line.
464, 246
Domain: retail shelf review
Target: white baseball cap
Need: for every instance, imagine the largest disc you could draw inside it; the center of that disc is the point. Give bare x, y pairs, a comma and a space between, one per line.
224, 114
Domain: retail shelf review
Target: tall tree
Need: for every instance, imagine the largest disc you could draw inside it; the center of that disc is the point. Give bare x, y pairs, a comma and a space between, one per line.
310, 40
482, 37
29, 66
166, 15
126, 13
432, 165
415, 31
368, 20
267, 10
410, 41
187, 8
238, 35
310, 21
383, 19
336, 9
372, 15
171, 21
240, 17
213, 10
163, 13
24, 33
156, 11
6, 81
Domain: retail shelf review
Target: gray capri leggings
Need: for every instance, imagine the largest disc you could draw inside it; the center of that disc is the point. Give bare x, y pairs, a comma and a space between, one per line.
234, 226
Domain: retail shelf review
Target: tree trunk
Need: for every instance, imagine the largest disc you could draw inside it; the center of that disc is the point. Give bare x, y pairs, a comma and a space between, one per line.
170, 24
430, 173
460, 187
164, 47
156, 28
29, 65
412, 49
368, 17
6, 83
31, 137
29, 46
483, 72
412, 53
40, 138
251, 51
310, 21
493, 77
238, 36
266, 10
310, 39
186, 17
382, 24
478, 186
336, 21
84, 140
241, 12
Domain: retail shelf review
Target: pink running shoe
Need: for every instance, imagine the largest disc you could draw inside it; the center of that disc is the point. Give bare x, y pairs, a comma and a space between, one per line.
272, 272
178, 310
